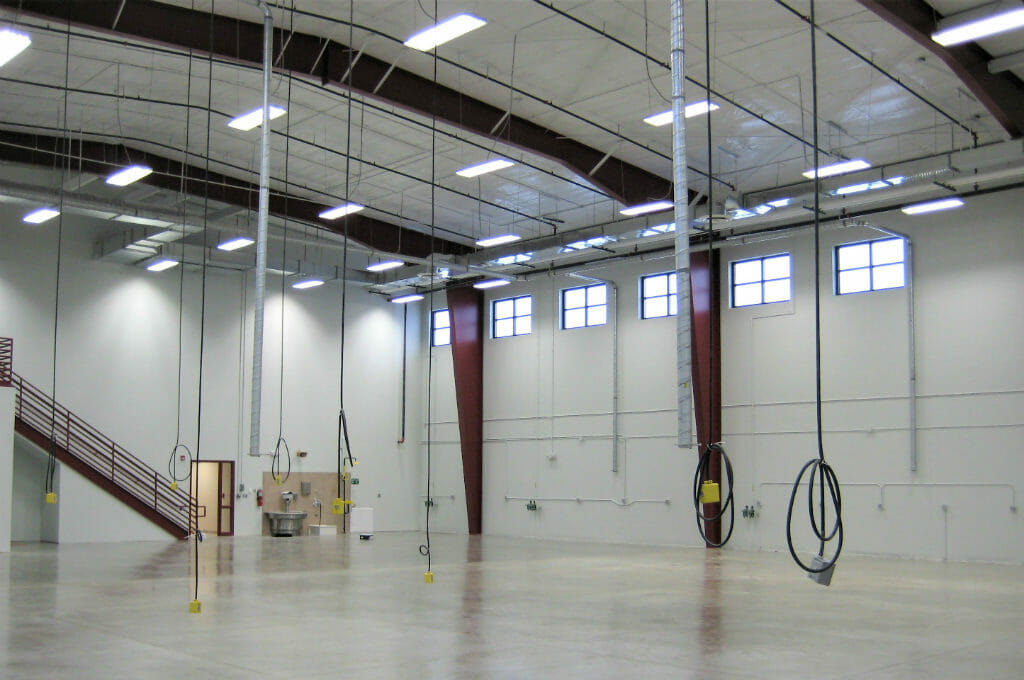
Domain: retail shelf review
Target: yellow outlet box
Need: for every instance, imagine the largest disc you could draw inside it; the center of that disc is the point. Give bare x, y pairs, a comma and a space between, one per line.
710, 493
174, 486
428, 577
278, 479
338, 507
51, 498
195, 607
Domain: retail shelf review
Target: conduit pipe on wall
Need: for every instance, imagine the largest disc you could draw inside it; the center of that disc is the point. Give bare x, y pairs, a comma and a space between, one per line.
615, 360
684, 397
261, 236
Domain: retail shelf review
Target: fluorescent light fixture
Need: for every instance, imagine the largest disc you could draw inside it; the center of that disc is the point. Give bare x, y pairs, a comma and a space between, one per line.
645, 208
384, 266
402, 299
41, 215
236, 243
161, 265
518, 258
498, 240
932, 206
741, 213
762, 209
307, 283
658, 229
144, 221
689, 111
133, 173
440, 33
869, 186
490, 283
12, 43
780, 202
485, 167
253, 119
594, 242
840, 168
341, 211
981, 22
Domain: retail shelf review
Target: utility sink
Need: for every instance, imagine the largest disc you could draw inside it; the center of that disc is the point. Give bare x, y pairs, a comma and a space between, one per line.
288, 523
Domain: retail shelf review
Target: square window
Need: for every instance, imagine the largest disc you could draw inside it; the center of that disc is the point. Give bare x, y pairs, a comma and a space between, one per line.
440, 325
658, 295
585, 306
870, 265
512, 316
761, 281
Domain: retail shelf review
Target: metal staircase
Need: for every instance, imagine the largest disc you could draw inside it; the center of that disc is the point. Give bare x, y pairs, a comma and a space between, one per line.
95, 456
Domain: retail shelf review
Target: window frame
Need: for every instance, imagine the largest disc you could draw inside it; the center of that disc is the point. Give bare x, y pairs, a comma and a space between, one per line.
671, 296
870, 267
587, 306
514, 318
434, 328
762, 281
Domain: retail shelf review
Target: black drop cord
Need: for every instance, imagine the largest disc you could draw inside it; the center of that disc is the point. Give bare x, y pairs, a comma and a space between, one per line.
275, 462
817, 466
701, 475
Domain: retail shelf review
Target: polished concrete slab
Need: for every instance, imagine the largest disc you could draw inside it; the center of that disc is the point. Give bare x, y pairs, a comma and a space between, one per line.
334, 607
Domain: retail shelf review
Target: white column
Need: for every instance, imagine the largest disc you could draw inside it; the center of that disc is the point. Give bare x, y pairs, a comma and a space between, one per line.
6, 465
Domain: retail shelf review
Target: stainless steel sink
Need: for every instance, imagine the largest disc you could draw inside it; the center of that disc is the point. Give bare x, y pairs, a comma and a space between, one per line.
285, 523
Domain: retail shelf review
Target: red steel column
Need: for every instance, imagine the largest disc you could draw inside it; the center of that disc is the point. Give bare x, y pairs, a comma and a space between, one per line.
466, 310
706, 298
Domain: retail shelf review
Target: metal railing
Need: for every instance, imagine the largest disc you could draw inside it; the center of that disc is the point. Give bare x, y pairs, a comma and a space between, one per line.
6, 361
101, 454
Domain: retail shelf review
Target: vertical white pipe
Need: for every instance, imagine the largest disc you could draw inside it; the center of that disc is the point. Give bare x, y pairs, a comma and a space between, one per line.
684, 397
261, 238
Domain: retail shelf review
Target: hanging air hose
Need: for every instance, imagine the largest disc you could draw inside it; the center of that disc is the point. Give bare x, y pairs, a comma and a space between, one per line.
702, 485
820, 569
275, 462
172, 465
706, 490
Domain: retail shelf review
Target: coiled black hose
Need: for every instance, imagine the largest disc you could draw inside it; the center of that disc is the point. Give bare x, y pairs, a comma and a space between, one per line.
826, 479
701, 476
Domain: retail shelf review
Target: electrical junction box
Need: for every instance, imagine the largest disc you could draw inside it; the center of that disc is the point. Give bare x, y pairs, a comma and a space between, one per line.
51, 498
710, 493
822, 577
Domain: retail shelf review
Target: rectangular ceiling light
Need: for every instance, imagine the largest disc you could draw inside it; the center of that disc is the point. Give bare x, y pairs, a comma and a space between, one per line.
440, 33
307, 283
413, 297
658, 229
133, 173
144, 221
932, 206
981, 22
498, 240
689, 111
161, 265
491, 283
12, 43
870, 186
484, 168
236, 243
41, 215
253, 119
384, 266
645, 208
840, 168
341, 211
780, 202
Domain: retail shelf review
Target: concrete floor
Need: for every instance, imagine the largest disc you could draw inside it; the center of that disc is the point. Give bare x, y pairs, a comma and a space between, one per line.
336, 607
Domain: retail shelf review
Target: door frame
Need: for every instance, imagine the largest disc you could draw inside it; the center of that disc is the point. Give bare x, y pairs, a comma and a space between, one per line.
222, 466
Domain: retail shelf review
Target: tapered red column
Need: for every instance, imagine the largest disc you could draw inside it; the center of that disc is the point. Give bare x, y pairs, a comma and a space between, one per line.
705, 276
466, 309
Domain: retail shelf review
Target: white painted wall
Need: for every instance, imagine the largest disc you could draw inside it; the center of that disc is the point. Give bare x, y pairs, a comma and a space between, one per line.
6, 464
117, 363
547, 401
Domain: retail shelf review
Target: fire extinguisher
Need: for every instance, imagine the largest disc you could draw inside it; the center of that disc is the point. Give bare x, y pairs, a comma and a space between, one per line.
259, 498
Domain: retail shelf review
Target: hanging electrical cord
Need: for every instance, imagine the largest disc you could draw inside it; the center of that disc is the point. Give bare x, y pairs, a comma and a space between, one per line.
428, 575
172, 462
275, 462
706, 490
341, 501
820, 569
51, 460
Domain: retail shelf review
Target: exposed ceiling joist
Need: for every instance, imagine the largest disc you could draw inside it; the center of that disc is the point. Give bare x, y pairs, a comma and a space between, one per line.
1002, 94
101, 158
372, 77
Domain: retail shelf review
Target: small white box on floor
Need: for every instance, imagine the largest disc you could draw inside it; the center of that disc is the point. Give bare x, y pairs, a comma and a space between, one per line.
361, 522
323, 530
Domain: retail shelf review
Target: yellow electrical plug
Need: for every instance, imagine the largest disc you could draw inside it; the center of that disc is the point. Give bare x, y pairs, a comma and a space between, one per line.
710, 493
278, 479
51, 498
195, 607
174, 486
428, 577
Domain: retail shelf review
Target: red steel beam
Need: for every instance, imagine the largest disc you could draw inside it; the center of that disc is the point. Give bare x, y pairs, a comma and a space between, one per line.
307, 55
706, 355
1002, 94
466, 311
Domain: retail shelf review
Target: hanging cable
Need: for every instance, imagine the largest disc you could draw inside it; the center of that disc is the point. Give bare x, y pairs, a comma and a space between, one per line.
820, 569
712, 451
172, 462
428, 576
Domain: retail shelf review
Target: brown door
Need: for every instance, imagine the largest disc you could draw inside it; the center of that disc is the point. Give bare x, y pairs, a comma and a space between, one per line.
213, 486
